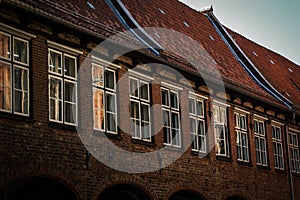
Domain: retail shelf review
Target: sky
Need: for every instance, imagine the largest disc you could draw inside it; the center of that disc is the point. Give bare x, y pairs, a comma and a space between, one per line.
274, 24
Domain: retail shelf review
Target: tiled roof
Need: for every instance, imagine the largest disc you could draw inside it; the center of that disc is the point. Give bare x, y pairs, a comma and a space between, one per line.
279, 71
174, 15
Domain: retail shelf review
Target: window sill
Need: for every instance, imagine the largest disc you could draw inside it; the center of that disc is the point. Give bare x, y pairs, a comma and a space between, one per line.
263, 167
113, 136
173, 148
297, 174
224, 158
62, 126
245, 163
143, 142
200, 154
283, 171
16, 117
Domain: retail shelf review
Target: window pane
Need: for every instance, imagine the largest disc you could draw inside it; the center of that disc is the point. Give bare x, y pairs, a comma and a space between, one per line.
20, 51
98, 109
192, 108
202, 145
174, 100
109, 79
175, 137
273, 132
70, 92
21, 79
56, 109
4, 46
144, 91
165, 97
134, 108
166, 118
175, 120
97, 75
111, 124
216, 114
70, 67
70, 113
5, 86
223, 115
21, 102
55, 88
134, 88
194, 141
201, 128
145, 112
21, 90
110, 103
261, 128
255, 126
193, 125
146, 130
278, 132
55, 62
199, 108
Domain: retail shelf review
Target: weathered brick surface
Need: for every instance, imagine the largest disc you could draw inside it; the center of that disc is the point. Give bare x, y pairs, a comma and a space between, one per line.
33, 147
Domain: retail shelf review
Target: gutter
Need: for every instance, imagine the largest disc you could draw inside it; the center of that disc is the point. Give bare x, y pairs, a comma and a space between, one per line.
259, 79
123, 21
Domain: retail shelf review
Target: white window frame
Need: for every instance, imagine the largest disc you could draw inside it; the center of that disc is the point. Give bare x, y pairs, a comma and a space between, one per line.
140, 101
15, 34
64, 78
198, 119
261, 137
27, 49
106, 91
294, 152
170, 110
277, 145
217, 124
240, 132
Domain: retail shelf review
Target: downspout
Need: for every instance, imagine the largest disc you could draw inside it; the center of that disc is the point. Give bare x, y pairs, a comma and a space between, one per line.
123, 21
289, 164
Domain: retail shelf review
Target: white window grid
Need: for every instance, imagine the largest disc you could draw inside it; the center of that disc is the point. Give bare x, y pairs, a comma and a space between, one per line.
139, 125
13, 65
106, 91
220, 129
260, 142
277, 147
197, 118
242, 137
27, 51
60, 75
172, 134
294, 152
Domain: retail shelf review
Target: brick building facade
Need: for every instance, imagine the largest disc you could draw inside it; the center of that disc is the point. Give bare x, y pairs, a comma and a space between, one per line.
67, 106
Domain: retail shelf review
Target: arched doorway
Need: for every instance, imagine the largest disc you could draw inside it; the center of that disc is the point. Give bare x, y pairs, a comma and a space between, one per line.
36, 189
235, 198
186, 195
123, 192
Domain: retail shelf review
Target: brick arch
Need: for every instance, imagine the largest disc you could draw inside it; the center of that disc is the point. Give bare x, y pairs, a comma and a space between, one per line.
189, 192
124, 180
35, 188
43, 173
235, 195
124, 191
